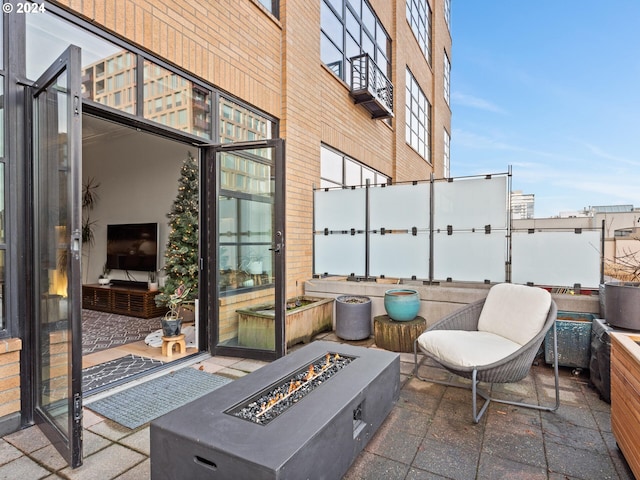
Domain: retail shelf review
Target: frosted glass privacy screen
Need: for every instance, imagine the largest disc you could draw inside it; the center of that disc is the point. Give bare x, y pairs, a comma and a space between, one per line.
400, 206
472, 257
400, 255
556, 258
340, 254
340, 209
471, 203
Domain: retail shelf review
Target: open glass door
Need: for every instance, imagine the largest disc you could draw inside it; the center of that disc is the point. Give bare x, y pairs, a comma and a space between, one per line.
56, 242
245, 184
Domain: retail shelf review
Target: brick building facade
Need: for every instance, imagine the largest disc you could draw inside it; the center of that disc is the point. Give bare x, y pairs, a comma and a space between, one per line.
283, 63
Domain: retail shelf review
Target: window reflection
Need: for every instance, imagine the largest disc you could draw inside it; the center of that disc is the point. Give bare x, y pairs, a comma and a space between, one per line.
246, 259
246, 219
239, 124
108, 71
175, 101
112, 82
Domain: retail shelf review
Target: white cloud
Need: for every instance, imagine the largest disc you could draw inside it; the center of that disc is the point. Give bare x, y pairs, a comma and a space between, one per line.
464, 100
598, 152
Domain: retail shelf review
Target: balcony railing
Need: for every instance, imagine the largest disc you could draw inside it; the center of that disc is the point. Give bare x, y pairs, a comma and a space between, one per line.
370, 87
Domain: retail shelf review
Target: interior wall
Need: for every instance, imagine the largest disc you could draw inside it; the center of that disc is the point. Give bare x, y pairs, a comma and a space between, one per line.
138, 175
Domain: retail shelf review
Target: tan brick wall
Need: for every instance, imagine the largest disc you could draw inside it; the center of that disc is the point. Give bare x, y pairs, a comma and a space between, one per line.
232, 44
10, 376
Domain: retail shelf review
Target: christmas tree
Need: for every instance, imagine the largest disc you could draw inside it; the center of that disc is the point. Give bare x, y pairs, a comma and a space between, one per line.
181, 255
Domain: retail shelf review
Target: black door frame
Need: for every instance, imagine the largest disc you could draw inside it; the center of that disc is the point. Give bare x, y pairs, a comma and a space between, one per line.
212, 182
69, 442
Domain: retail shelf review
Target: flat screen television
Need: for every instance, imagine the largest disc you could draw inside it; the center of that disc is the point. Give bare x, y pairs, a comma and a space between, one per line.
132, 246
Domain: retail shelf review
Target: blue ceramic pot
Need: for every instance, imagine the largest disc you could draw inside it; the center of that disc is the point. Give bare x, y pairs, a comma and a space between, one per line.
402, 304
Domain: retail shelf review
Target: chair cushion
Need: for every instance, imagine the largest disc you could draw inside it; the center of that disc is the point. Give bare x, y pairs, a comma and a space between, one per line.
516, 312
466, 348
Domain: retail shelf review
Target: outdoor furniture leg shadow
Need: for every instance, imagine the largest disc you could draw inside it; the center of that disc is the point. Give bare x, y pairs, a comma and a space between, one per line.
234, 432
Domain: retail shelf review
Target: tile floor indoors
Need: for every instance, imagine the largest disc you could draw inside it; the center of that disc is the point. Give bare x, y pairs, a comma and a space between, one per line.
428, 435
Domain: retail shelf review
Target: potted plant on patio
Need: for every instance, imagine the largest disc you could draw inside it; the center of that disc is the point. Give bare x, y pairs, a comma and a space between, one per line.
172, 320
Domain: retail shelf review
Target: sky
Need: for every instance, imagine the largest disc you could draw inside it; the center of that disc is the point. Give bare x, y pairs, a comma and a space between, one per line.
552, 89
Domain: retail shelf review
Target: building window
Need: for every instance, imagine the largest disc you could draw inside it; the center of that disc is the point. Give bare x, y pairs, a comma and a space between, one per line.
49, 36
349, 29
419, 17
195, 115
241, 124
447, 77
447, 13
338, 170
446, 161
418, 118
271, 5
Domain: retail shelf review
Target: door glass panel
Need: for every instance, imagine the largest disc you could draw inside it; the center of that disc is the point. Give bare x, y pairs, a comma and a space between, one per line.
246, 265
56, 253
51, 188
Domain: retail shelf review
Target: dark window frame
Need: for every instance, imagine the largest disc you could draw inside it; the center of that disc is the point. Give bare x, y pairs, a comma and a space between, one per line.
413, 108
350, 11
419, 14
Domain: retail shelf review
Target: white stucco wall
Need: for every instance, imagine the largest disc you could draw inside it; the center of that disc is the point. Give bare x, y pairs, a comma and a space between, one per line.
138, 175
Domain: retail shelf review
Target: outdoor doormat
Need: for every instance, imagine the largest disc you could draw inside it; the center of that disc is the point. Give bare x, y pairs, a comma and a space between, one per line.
308, 414
111, 373
138, 405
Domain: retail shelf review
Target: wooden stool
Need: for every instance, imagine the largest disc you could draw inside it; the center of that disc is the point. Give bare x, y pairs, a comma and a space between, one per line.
397, 336
169, 342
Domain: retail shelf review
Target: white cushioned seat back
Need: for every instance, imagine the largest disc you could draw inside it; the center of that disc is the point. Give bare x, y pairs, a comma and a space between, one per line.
516, 312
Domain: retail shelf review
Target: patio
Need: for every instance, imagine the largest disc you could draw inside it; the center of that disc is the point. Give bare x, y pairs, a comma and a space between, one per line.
428, 435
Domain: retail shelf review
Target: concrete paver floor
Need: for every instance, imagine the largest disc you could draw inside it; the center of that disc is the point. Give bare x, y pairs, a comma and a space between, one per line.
428, 435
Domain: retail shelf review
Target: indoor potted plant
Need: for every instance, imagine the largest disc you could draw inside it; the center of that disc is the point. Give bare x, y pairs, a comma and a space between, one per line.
103, 278
172, 320
153, 281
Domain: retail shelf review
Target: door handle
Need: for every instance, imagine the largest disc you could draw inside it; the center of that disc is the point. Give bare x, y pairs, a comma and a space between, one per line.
76, 238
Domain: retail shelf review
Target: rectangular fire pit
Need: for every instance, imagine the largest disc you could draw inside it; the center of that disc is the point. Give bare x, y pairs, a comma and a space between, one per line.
317, 436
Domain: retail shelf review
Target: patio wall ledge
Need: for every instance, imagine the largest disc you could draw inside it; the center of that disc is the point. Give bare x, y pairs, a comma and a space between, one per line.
436, 300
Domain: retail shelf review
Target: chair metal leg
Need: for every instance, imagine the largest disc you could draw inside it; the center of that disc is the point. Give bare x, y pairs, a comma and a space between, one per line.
477, 415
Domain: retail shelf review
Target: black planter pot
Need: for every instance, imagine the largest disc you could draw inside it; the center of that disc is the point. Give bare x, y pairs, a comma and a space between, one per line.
622, 304
171, 327
353, 317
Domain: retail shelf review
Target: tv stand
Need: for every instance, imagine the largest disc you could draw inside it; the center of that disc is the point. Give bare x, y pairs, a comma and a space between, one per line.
133, 302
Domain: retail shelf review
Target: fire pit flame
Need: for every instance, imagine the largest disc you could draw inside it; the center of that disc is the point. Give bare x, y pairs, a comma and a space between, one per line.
271, 403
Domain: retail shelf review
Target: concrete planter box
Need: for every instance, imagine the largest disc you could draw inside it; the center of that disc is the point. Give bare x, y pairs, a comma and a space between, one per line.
256, 325
574, 340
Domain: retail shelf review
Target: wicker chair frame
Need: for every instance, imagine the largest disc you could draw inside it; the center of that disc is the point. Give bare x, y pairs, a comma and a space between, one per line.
510, 369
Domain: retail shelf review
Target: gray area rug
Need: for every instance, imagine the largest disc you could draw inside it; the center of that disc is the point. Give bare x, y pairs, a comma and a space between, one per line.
101, 330
138, 405
108, 374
